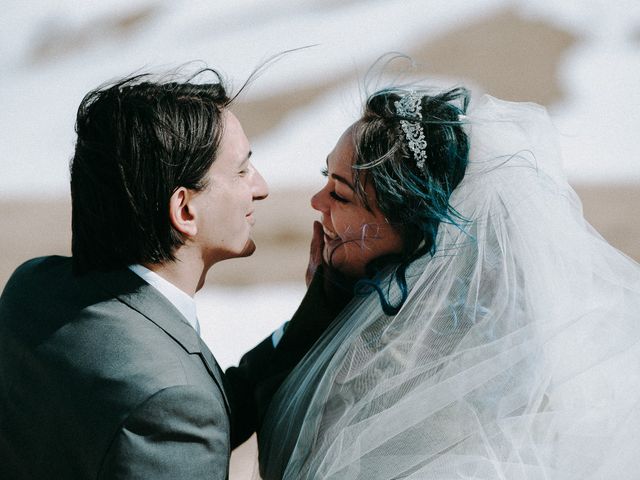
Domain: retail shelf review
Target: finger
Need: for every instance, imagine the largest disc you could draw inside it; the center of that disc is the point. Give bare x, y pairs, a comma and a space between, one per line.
315, 252
317, 244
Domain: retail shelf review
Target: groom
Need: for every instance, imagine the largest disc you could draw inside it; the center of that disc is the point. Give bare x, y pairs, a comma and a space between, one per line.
103, 373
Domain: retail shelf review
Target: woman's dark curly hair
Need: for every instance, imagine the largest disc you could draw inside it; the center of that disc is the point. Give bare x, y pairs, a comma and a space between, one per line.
414, 200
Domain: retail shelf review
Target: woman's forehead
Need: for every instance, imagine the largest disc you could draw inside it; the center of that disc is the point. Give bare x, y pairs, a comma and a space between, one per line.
343, 154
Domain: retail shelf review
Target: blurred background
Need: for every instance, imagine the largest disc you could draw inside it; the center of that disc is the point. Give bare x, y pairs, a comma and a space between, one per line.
579, 58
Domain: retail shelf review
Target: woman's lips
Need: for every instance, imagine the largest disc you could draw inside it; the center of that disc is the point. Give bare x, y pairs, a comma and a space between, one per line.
331, 242
329, 234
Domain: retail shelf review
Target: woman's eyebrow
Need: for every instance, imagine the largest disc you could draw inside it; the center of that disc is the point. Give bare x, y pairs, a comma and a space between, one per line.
340, 178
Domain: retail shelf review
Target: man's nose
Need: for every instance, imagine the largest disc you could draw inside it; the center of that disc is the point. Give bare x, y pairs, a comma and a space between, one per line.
260, 187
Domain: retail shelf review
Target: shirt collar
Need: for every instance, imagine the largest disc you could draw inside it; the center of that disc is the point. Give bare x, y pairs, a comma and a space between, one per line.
185, 304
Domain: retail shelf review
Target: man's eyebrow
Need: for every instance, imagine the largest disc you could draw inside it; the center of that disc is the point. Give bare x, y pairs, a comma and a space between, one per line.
246, 159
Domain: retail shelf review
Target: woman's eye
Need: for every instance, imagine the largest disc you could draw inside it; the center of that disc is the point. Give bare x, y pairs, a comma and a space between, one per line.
337, 197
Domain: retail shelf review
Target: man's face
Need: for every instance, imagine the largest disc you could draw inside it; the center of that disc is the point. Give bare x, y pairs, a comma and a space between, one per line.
225, 208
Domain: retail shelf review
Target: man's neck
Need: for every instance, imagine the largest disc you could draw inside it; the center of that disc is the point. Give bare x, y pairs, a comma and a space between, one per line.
187, 272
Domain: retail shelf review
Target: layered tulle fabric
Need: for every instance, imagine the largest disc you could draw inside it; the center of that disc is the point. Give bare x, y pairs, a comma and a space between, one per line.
516, 355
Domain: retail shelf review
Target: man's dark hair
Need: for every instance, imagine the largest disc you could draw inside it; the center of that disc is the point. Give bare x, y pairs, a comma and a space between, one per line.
138, 141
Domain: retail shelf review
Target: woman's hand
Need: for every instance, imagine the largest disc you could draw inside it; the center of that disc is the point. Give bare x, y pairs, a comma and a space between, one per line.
337, 288
315, 252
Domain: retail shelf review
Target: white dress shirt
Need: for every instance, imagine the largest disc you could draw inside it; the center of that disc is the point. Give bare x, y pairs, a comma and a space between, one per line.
185, 304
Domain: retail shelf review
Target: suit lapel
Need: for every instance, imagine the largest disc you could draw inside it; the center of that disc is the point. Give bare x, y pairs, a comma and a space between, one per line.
214, 370
130, 289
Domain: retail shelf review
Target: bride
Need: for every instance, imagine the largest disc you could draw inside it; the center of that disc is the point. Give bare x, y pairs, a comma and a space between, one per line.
493, 335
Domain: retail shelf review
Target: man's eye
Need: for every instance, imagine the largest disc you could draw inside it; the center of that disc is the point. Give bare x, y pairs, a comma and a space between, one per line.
337, 197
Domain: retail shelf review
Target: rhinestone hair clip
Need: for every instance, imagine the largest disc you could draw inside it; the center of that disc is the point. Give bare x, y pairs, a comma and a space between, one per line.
410, 106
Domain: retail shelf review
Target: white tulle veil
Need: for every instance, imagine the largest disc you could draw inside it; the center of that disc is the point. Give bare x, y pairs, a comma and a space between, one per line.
516, 355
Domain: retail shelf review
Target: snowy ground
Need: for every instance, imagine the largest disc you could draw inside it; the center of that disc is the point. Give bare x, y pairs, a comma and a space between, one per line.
234, 319
41, 84
89, 42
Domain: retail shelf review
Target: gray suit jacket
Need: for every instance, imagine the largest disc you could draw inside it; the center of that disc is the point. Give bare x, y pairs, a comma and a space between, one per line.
101, 377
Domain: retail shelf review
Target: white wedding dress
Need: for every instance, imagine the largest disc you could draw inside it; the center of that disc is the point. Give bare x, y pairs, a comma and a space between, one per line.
516, 355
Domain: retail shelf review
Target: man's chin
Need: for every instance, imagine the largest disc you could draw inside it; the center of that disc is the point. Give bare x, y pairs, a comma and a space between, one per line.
249, 248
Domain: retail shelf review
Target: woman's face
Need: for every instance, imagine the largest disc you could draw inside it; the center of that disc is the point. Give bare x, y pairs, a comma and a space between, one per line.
353, 235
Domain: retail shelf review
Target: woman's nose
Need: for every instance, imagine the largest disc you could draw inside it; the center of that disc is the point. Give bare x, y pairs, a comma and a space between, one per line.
318, 201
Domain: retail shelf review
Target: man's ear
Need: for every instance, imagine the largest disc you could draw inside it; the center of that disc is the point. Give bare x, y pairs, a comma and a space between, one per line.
182, 212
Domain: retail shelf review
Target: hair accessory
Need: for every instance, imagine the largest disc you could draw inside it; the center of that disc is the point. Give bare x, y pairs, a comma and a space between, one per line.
410, 106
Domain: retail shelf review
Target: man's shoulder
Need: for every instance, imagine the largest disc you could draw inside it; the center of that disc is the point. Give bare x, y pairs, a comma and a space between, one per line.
29, 288
108, 355
39, 266
111, 329
78, 321
42, 295
41, 279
